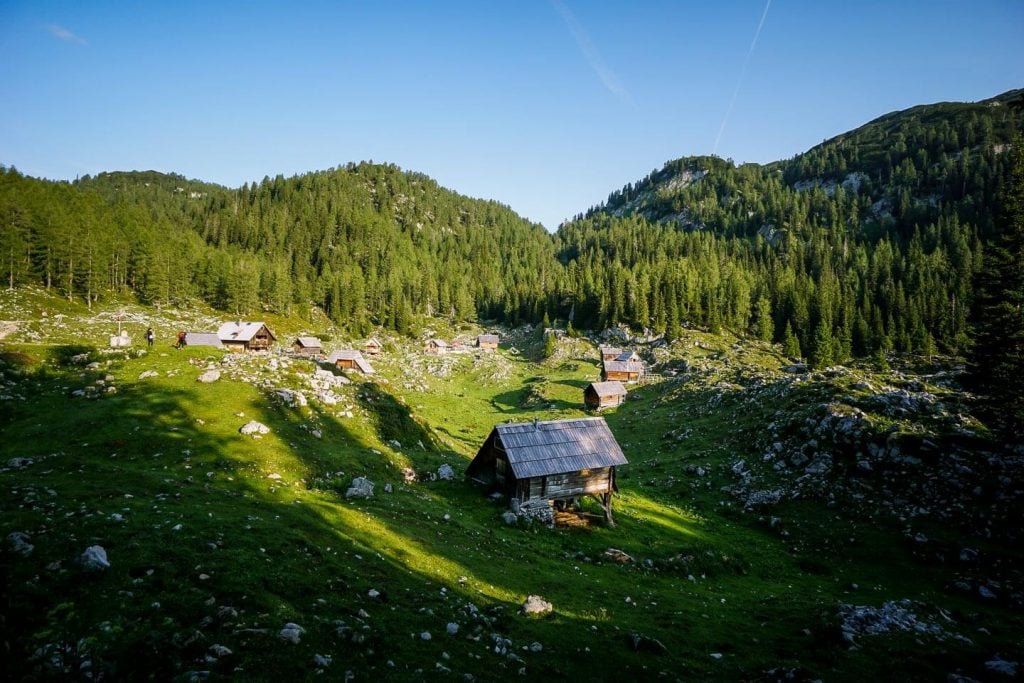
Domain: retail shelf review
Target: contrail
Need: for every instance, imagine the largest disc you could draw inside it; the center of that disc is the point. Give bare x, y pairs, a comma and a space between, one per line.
743, 72
591, 54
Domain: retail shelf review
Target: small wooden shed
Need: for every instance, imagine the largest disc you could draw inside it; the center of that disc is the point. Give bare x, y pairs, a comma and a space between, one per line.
609, 352
437, 347
308, 347
203, 339
246, 336
622, 371
348, 359
552, 462
628, 357
604, 395
488, 342
373, 347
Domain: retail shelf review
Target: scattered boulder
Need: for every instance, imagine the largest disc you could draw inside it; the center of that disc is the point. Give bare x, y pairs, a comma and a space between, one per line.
361, 488
209, 377
409, 475
253, 428
19, 463
510, 517
292, 633
642, 643
94, 559
322, 661
149, 373
445, 472
19, 541
536, 606
1000, 666
618, 556
452, 628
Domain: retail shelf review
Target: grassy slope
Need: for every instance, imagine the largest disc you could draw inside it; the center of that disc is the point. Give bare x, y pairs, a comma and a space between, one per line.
253, 553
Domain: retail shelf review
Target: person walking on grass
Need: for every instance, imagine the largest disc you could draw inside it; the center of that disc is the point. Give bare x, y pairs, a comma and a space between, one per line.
149, 337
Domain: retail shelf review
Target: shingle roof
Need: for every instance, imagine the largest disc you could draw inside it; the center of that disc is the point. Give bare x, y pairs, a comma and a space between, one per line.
372, 341
309, 342
202, 339
352, 355
559, 446
610, 351
623, 366
605, 389
487, 339
438, 342
240, 331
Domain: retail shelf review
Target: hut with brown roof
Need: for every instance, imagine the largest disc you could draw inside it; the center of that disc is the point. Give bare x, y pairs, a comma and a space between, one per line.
308, 347
348, 359
556, 462
246, 336
600, 395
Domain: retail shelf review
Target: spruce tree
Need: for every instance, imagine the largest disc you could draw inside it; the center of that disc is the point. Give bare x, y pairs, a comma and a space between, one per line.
997, 362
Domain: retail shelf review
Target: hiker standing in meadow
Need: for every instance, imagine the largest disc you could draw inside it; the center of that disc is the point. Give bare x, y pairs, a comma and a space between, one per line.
149, 337
181, 340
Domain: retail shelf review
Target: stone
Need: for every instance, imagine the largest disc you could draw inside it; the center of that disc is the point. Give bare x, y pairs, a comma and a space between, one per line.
209, 376
19, 463
409, 475
510, 518
536, 606
445, 472
322, 661
94, 558
642, 643
292, 633
618, 556
425, 635
19, 541
149, 373
361, 488
1001, 666
452, 628
254, 428
219, 650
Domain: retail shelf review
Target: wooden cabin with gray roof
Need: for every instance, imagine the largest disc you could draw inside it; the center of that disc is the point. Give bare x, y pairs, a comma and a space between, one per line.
599, 395
308, 347
348, 359
551, 463
244, 336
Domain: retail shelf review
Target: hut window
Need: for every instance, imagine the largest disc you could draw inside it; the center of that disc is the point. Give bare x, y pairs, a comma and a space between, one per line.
585, 473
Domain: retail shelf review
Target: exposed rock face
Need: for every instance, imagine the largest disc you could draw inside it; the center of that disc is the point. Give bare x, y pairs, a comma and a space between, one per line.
536, 606
254, 428
361, 488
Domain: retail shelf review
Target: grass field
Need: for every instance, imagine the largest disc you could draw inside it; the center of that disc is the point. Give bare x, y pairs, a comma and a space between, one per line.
217, 541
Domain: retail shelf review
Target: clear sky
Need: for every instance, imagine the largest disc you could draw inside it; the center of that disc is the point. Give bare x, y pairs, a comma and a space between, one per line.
544, 105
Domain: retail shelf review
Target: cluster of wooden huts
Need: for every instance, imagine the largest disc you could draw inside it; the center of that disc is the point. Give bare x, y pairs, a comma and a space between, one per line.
237, 337
439, 347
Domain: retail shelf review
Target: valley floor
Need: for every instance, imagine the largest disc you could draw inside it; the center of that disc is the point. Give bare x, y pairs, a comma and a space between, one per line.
773, 523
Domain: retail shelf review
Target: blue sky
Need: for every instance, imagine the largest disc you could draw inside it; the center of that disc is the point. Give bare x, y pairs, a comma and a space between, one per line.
544, 105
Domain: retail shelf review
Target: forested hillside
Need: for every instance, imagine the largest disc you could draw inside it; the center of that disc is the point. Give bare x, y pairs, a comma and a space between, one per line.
866, 243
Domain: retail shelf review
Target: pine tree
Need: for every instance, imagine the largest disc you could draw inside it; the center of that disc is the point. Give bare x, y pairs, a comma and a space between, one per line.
997, 363
790, 343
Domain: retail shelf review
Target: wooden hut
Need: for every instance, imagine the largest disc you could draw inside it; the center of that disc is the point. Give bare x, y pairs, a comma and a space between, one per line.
609, 352
372, 347
604, 395
622, 371
308, 347
203, 339
488, 342
349, 359
437, 347
628, 357
557, 461
246, 336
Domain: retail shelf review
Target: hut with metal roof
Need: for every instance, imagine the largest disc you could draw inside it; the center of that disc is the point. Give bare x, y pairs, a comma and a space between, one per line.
609, 352
488, 342
348, 359
548, 463
600, 395
308, 347
246, 336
